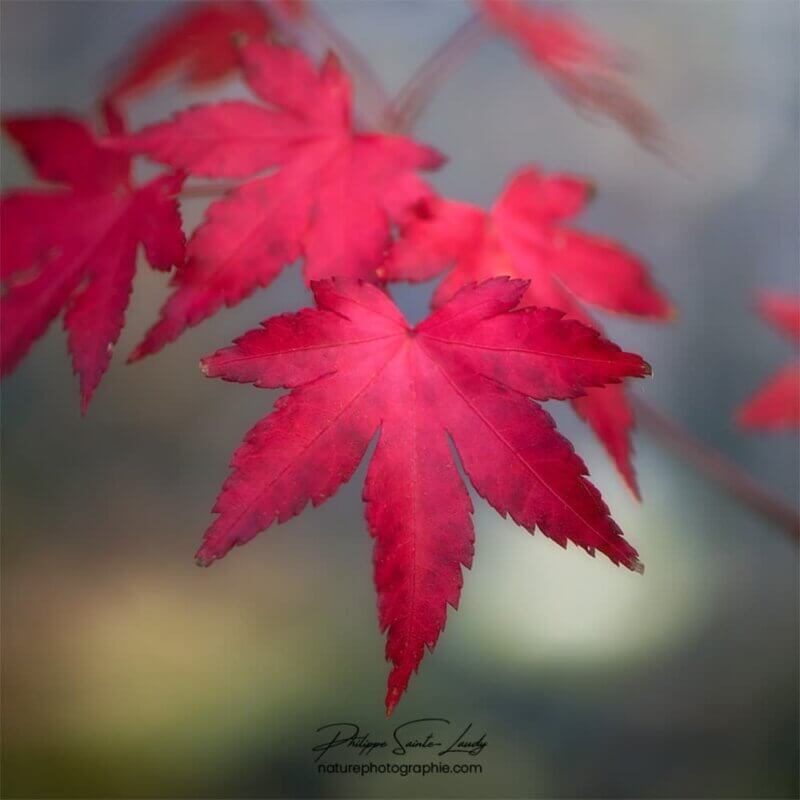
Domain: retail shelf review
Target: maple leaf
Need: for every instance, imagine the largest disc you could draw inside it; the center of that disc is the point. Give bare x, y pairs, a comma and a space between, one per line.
75, 246
470, 373
578, 62
199, 42
524, 236
331, 199
776, 405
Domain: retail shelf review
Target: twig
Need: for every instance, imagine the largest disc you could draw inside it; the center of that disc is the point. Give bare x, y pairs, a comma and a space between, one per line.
207, 190
717, 468
418, 92
374, 97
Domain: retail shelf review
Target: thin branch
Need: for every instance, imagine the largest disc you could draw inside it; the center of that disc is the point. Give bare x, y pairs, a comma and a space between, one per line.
374, 96
207, 190
717, 468
420, 89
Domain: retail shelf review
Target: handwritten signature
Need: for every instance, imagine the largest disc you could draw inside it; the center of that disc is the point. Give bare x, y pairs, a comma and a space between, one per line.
428, 733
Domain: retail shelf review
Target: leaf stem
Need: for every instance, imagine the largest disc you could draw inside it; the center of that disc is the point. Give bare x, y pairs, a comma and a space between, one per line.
207, 190
718, 469
374, 97
420, 89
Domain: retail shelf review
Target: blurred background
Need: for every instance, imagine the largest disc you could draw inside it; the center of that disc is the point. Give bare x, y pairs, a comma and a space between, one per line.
128, 672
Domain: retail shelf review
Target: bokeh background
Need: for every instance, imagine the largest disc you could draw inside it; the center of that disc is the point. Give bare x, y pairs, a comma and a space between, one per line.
128, 672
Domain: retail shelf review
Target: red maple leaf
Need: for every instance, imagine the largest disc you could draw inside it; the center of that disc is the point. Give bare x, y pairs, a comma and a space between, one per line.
199, 42
74, 247
523, 236
776, 405
331, 200
578, 62
468, 374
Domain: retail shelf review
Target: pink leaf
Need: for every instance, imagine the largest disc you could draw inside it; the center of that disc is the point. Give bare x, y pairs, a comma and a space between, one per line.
75, 248
331, 201
467, 375
776, 405
199, 43
578, 62
525, 236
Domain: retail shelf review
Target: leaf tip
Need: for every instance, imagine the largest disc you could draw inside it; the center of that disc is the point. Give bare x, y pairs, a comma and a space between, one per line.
87, 392
393, 696
138, 354
637, 566
435, 159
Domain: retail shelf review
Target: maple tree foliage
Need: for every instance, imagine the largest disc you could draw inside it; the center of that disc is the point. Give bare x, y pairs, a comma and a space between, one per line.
508, 331
199, 43
577, 60
330, 199
471, 373
524, 235
776, 405
74, 246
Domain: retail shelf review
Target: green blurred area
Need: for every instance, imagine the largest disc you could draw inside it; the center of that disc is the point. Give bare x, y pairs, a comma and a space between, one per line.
128, 672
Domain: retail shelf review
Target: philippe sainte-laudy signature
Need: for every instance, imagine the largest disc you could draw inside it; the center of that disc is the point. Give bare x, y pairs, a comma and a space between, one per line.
432, 735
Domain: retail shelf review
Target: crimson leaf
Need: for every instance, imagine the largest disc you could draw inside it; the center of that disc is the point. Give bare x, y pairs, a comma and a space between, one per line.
469, 374
524, 236
578, 62
74, 247
331, 200
776, 405
199, 42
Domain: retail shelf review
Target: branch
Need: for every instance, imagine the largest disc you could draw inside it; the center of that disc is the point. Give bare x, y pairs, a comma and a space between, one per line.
207, 190
718, 469
419, 90
373, 94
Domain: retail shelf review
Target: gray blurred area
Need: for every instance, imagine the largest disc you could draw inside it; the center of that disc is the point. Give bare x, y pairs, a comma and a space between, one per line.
128, 672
